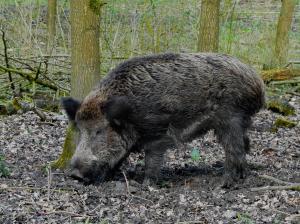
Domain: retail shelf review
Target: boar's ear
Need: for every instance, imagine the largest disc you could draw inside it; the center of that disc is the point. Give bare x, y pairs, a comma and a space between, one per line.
116, 109
70, 106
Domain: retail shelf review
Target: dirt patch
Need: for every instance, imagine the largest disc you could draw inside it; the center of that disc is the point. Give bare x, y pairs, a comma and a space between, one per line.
189, 193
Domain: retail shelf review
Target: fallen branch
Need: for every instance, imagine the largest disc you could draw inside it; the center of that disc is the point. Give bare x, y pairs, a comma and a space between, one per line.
66, 213
293, 93
31, 77
291, 81
17, 105
11, 188
286, 186
294, 187
267, 177
279, 74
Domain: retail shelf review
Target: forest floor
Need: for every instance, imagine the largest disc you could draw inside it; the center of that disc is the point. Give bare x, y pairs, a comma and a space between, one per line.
190, 192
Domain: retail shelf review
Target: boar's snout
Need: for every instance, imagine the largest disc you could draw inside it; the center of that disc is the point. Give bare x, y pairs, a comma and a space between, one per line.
87, 170
75, 173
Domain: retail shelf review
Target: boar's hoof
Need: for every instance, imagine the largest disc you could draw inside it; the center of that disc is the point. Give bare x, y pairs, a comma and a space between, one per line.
230, 179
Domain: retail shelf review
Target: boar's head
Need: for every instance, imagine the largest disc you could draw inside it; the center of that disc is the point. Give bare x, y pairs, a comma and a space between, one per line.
99, 145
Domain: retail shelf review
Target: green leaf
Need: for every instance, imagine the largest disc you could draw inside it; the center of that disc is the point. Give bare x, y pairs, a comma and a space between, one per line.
195, 154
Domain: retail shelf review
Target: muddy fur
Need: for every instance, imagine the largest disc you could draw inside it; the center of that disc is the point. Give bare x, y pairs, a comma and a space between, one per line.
154, 101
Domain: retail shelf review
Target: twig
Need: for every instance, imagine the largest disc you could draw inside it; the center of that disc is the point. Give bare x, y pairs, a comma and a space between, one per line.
39, 113
6, 62
267, 177
49, 182
130, 194
294, 187
191, 222
38, 71
65, 212
291, 81
291, 62
287, 185
41, 59
293, 93
31, 188
59, 86
127, 184
16, 81
19, 61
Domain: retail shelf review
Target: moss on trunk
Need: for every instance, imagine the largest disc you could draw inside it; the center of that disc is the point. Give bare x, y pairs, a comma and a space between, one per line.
68, 149
85, 62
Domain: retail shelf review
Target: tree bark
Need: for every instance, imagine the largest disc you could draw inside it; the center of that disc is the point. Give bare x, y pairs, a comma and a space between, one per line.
208, 36
85, 57
85, 54
51, 23
283, 27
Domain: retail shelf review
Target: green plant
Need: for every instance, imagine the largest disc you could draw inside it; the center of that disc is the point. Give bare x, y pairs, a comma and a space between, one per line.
245, 218
195, 154
4, 171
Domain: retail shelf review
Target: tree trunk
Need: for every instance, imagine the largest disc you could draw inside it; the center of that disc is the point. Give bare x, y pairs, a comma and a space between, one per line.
85, 48
51, 23
208, 37
283, 27
85, 63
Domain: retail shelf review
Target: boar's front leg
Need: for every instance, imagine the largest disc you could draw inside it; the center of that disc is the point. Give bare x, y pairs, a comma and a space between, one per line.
232, 136
154, 156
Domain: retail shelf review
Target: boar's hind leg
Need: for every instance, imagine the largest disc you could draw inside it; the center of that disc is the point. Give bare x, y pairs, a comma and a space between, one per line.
154, 156
246, 143
232, 136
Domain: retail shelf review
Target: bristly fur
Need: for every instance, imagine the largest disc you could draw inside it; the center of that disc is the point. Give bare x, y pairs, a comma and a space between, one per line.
165, 98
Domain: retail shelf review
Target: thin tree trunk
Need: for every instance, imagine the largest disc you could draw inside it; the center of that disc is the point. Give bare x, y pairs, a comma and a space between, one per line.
51, 23
283, 27
85, 63
85, 48
208, 37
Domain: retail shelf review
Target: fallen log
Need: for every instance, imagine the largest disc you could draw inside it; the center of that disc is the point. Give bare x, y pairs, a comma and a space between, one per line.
279, 74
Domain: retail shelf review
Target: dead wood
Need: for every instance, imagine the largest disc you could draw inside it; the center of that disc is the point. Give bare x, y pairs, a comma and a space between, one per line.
279, 74
286, 185
33, 77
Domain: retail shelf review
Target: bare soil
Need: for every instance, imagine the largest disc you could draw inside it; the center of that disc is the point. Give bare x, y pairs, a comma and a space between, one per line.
190, 191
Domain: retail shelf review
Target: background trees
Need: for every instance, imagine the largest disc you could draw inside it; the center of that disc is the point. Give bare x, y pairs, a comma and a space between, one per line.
208, 37
283, 28
51, 23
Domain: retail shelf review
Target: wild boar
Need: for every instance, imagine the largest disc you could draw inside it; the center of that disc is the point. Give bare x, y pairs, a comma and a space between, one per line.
154, 101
